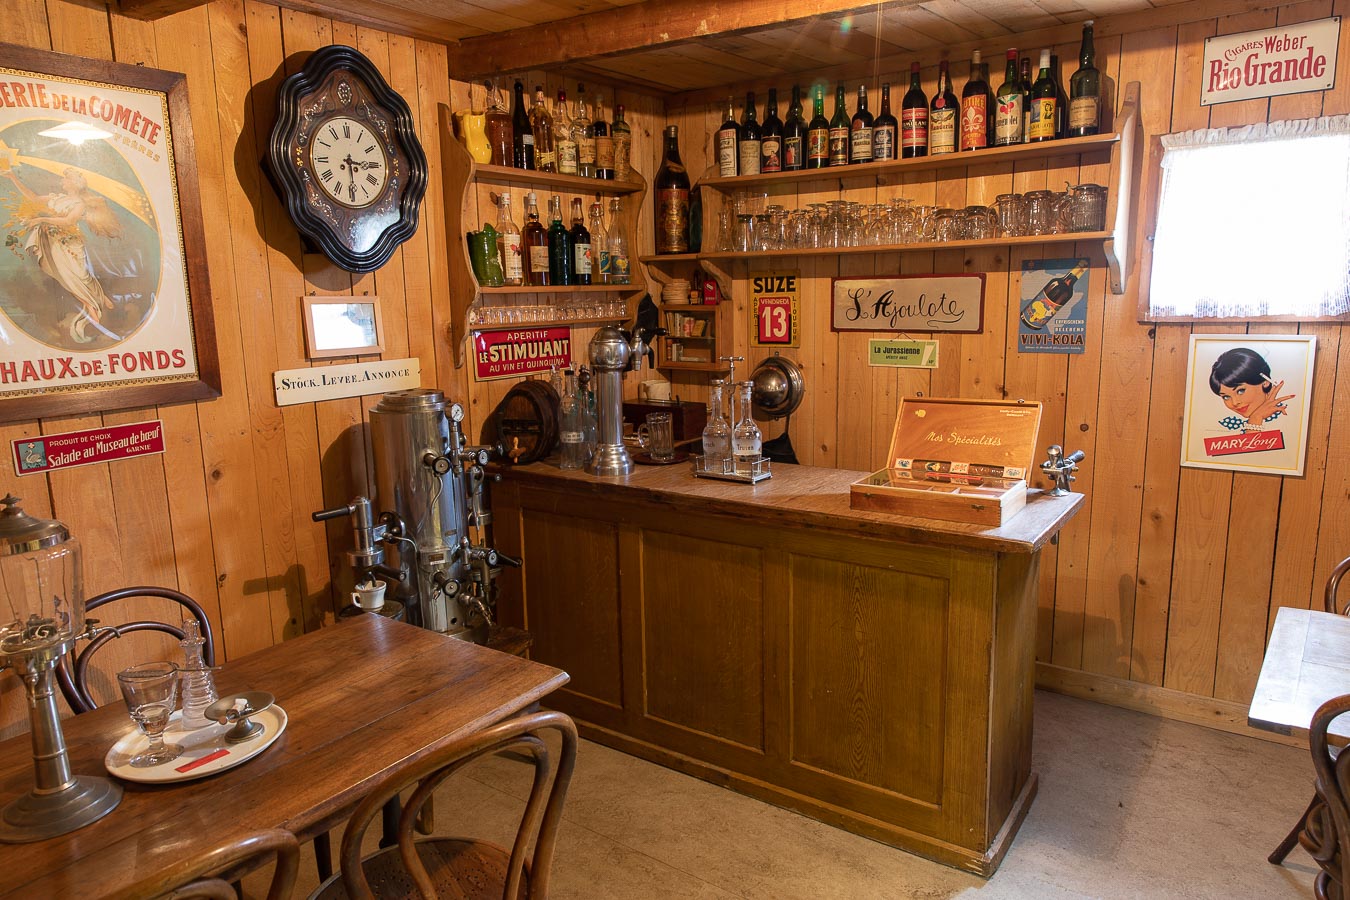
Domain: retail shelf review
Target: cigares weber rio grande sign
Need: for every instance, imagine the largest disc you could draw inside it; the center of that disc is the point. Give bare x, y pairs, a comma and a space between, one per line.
1290, 59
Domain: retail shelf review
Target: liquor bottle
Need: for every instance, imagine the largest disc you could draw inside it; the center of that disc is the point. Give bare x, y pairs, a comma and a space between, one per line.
623, 145
604, 143
975, 107
1085, 90
1026, 98
749, 139
498, 122
839, 129
583, 132
572, 427
747, 443
541, 123
617, 243
1048, 301
771, 136
727, 137
523, 136
536, 244
942, 124
583, 256
818, 134
601, 269
717, 433
885, 129
561, 266
672, 198
1042, 124
564, 144
1061, 99
860, 130
794, 135
509, 242
1010, 112
914, 118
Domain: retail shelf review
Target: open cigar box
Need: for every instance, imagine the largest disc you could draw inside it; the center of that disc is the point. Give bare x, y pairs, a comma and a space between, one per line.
956, 460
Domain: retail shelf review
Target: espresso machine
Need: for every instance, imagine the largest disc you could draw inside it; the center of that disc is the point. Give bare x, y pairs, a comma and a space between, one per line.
613, 352
429, 516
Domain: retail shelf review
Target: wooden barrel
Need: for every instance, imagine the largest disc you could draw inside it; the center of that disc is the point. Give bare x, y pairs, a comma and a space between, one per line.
524, 426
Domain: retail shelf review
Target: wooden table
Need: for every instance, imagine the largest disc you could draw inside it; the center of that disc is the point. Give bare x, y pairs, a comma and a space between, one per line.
362, 696
1307, 663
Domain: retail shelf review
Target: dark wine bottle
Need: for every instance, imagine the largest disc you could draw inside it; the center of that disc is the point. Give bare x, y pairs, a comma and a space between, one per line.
727, 137
839, 129
1061, 99
914, 118
581, 247
672, 198
975, 107
1042, 125
942, 114
749, 138
794, 135
1085, 90
535, 236
860, 130
1026, 105
886, 129
522, 143
1010, 109
771, 136
818, 133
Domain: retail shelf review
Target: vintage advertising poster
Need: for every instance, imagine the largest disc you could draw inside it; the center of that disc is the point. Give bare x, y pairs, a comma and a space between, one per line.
1053, 306
1247, 402
952, 304
84, 448
776, 309
903, 354
1288, 59
520, 351
94, 281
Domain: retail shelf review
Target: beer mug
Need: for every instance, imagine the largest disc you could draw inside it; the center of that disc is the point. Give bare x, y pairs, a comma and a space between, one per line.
657, 436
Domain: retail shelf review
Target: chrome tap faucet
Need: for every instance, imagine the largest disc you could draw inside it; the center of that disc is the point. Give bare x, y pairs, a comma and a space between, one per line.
613, 352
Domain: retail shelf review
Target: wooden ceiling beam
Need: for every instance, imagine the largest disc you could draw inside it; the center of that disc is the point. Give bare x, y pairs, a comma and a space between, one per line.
156, 9
652, 25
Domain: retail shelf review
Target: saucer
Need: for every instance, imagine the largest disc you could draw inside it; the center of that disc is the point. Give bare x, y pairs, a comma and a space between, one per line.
197, 743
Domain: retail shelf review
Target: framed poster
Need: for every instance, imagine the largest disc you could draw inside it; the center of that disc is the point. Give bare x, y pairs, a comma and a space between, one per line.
951, 304
342, 326
775, 308
1053, 307
104, 296
1247, 401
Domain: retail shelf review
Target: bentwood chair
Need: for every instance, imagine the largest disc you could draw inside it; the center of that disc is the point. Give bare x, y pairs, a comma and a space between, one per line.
209, 876
1329, 601
1325, 832
462, 867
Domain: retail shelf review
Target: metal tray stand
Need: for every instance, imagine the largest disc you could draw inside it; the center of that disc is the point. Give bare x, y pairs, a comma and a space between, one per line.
759, 470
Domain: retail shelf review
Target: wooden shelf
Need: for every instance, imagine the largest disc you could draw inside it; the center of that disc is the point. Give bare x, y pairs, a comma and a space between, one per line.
688, 307
921, 247
563, 289
1018, 153
576, 184
692, 366
681, 338
670, 257
549, 323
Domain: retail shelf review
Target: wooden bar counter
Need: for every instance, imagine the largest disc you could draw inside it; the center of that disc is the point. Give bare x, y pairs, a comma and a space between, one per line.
871, 671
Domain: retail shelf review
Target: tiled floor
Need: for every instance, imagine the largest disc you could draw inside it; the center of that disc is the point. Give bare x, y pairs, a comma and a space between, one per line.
1129, 806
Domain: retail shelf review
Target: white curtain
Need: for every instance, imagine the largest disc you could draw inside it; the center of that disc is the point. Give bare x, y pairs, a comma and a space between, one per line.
1254, 221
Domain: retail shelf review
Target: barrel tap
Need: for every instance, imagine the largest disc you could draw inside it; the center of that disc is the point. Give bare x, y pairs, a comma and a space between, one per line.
1060, 468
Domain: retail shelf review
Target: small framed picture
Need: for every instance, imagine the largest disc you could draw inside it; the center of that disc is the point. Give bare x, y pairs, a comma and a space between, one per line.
343, 326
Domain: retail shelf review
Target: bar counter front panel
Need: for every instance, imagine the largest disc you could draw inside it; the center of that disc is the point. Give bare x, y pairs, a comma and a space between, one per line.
872, 671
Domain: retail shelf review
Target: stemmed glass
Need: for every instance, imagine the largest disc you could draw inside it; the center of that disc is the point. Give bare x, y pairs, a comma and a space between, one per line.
151, 691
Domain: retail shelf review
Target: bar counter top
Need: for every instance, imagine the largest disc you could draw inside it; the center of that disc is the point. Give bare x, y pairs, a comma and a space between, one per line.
815, 497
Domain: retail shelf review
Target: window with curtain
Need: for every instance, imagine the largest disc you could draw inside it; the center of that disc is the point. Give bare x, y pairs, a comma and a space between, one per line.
1254, 221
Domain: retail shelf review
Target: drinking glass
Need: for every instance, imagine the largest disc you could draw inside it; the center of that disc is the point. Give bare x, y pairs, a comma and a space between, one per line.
981, 224
948, 225
658, 436
1087, 208
1042, 212
151, 691
1011, 215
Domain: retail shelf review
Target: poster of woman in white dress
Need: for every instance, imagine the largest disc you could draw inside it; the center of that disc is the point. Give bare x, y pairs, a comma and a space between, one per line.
1247, 402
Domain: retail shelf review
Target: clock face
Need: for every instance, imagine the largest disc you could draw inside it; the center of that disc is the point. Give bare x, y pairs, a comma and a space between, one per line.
348, 162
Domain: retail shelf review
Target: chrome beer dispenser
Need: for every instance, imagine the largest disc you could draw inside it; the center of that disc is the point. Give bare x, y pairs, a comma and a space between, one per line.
613, 352
429, 491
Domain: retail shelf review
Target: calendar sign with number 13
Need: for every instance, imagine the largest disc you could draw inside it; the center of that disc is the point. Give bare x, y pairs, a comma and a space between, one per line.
776, 308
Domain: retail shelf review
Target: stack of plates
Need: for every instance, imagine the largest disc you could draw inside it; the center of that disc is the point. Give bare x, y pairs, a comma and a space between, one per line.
676, 291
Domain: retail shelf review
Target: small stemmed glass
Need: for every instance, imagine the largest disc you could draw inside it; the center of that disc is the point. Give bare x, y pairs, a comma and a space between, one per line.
151, 691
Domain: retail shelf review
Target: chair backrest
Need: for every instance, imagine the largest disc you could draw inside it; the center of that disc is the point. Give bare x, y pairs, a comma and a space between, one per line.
73, 675
543, 811
209, 875
1333, 583
1326, 831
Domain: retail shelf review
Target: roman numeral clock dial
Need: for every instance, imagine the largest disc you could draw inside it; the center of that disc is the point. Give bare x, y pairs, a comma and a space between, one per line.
345, 158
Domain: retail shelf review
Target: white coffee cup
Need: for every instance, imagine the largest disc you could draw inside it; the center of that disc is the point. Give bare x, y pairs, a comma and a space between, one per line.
654, 390
369, 596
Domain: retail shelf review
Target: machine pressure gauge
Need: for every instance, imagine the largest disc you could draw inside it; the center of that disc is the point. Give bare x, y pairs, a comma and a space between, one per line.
456, 413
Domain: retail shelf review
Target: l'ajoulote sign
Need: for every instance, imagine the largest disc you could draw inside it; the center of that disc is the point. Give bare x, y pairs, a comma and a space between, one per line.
1289, 59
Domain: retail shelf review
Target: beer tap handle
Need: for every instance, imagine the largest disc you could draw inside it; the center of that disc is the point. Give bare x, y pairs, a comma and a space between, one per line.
336, 512
510, 561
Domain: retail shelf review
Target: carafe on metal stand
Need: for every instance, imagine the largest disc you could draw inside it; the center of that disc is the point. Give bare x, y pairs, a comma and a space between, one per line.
747, 443
717, 433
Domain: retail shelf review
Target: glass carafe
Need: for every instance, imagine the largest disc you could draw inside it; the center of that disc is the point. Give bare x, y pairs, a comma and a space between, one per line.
572, 430
717, 433
747, 444
198, 687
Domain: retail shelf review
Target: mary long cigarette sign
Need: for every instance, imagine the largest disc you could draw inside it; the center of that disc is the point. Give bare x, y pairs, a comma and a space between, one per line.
1290, 59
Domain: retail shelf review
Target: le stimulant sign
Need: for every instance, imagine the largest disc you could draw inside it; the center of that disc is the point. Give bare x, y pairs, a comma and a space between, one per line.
1289, 59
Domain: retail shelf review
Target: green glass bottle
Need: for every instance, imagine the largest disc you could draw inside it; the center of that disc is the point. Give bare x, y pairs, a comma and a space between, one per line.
561, 266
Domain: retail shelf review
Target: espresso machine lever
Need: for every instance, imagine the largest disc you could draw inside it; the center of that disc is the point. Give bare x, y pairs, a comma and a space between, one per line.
367, 558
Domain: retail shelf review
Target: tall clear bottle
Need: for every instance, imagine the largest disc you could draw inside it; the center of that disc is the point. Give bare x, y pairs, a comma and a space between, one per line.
583, 132
509, 243
541, 123
747, 443
198, 684
572, 428
717, 433
618, 243
623, 145
564, 144
602, 270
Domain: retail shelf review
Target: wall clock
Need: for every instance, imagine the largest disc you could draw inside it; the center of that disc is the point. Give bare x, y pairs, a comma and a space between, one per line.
345, 159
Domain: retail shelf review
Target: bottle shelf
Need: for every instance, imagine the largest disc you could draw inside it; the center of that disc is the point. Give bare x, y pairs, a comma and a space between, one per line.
705, 308
563, 289
548, 323
577, 184
671, 257
1017, 153
919, 247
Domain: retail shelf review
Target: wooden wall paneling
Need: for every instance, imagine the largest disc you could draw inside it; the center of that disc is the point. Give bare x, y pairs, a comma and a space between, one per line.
434, 90
857, 419
982, 373
950, 191
888, 384
27, 24
307, 579
818, 428
1123, 403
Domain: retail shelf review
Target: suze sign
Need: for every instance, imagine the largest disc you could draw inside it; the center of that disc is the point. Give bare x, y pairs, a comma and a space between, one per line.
1290, 59
776, 310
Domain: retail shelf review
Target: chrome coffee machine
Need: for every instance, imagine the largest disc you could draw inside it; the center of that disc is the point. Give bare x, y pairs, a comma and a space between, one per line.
432, 519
